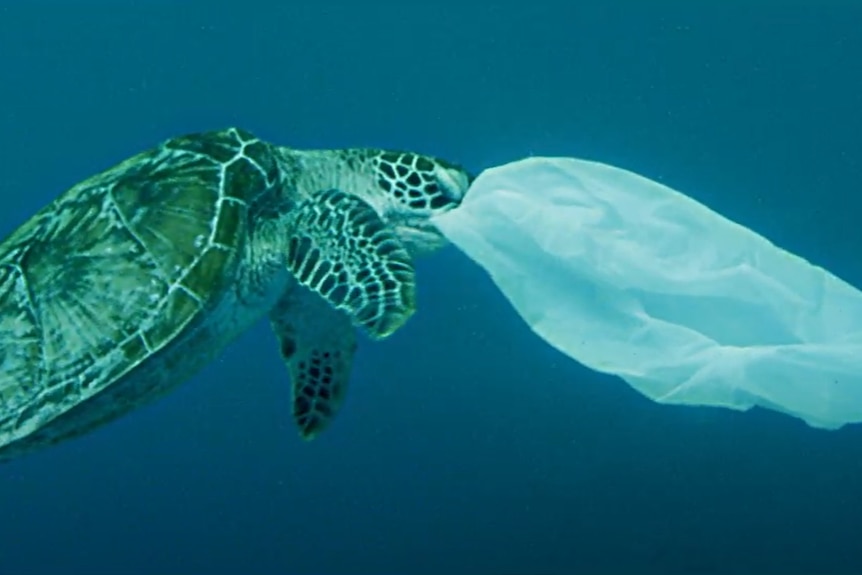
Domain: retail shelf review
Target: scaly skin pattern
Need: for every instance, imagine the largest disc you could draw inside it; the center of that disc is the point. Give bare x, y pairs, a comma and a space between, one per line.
134, 279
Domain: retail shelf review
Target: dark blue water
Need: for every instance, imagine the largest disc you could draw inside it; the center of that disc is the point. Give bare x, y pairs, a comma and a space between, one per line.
467, 445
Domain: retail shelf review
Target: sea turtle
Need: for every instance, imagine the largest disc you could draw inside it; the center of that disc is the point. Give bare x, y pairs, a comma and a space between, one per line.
134, 279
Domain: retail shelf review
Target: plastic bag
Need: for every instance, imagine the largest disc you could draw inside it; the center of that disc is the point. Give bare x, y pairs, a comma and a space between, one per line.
632, 278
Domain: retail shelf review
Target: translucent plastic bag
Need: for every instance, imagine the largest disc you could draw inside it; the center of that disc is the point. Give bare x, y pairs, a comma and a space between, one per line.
632, 278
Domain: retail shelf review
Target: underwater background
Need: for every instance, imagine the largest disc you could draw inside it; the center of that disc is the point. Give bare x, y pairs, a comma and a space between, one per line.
467, 445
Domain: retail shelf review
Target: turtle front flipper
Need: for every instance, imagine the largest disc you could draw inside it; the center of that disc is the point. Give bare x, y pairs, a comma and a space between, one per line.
342, 250
317, 344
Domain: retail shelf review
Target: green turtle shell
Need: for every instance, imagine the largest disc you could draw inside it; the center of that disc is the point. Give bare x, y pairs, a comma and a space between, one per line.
118, 267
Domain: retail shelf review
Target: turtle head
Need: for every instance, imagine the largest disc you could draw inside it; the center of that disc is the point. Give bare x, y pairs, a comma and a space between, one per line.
406, 189
410, 188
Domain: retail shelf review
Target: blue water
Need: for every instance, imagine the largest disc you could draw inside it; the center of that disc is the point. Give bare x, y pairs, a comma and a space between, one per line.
466, 445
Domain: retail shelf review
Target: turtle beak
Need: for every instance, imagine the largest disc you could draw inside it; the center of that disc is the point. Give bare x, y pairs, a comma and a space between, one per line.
454, 182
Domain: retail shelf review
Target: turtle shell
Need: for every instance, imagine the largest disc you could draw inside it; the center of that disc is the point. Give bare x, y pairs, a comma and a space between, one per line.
120, 265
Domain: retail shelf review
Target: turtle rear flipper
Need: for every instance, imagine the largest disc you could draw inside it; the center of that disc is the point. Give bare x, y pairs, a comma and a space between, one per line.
317, 344
342, 250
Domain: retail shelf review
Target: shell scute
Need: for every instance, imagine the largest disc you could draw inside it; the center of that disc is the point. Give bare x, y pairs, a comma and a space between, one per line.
117, 267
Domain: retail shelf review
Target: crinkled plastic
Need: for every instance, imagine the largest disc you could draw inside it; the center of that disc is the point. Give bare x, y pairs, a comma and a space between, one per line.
632, 278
